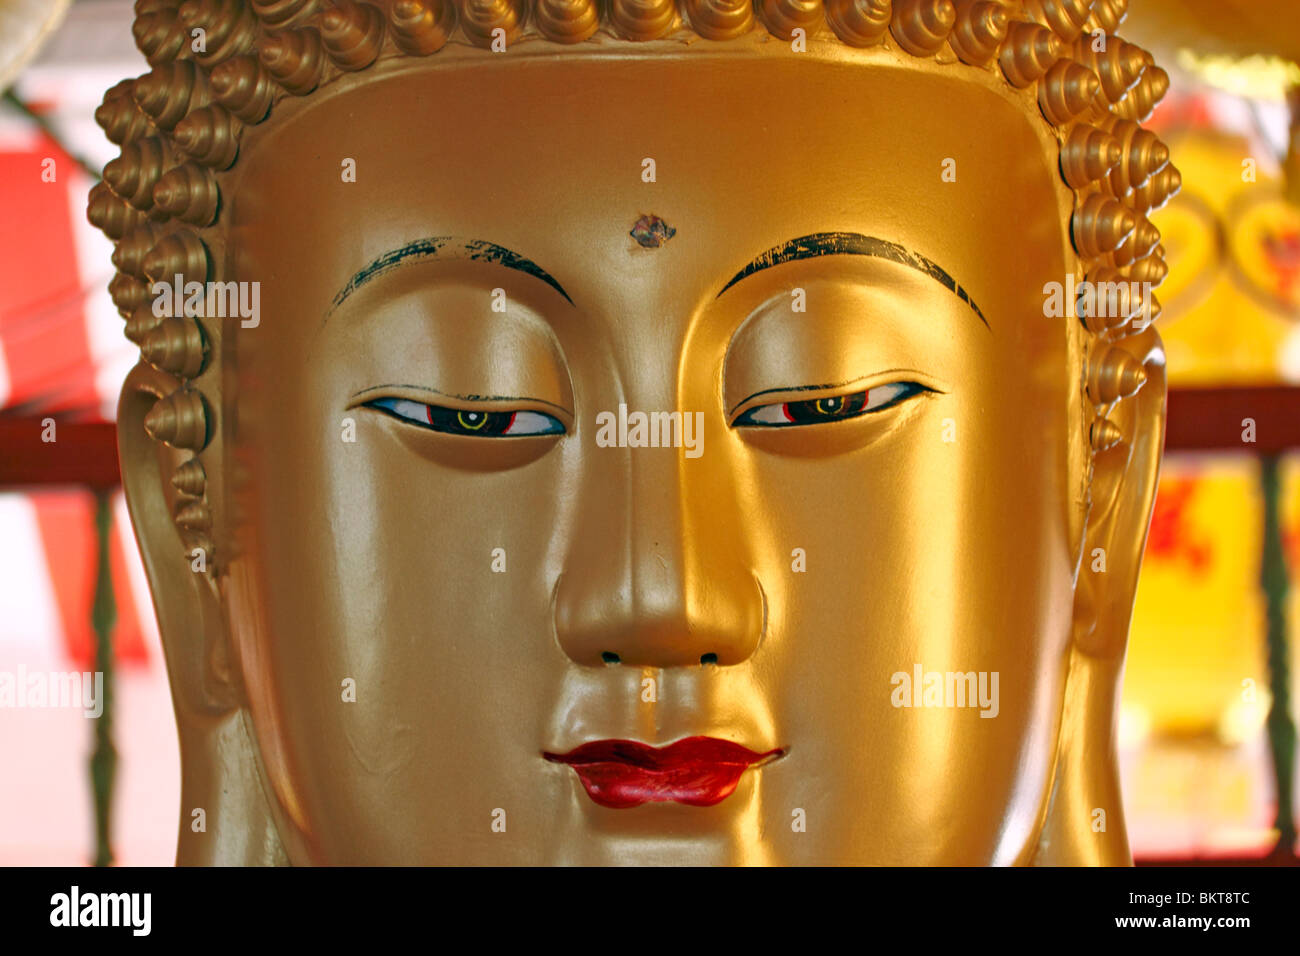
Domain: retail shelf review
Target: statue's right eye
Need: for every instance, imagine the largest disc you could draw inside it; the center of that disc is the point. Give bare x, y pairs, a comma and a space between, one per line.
472, 422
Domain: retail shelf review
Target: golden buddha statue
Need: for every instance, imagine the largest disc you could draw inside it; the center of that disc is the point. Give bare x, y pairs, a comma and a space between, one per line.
628, 431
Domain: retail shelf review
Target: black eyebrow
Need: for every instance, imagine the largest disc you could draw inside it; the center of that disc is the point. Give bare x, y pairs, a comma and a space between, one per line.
853, 244
446, 247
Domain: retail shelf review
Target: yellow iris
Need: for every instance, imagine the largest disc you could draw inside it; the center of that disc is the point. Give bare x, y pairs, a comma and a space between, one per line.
466, 420
829, 406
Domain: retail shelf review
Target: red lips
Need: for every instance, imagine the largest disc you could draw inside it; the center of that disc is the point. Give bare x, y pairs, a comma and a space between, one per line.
696, 771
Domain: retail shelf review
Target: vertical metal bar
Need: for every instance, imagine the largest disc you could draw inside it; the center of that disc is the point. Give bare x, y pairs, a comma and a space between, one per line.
103, 615
1281, 728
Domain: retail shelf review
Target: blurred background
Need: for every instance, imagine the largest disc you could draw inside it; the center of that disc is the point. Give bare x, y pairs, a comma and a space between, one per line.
1207, 728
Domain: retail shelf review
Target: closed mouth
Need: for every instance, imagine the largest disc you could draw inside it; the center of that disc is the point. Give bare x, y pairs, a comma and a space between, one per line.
696, 771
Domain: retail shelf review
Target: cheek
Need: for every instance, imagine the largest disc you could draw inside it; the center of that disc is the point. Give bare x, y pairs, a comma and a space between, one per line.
941, 545
410, 612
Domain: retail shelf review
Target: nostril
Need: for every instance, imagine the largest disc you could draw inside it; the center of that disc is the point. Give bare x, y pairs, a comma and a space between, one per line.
708, 658
609, 657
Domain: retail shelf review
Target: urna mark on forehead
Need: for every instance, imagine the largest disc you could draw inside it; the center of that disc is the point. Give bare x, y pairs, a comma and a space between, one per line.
180, 125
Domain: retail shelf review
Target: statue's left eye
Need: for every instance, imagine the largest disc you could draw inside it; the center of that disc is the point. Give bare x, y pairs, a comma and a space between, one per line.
829, 409
468, 421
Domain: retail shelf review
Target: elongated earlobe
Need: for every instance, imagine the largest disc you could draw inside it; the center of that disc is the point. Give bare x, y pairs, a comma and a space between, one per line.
225, 817
1084, 823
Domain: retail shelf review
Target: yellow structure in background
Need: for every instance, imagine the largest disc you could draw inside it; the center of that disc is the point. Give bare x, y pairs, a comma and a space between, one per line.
1196, 662
1232, 298
1196, 770
1197, 774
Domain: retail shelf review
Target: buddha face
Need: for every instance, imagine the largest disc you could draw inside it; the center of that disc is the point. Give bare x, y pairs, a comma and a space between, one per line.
652, 465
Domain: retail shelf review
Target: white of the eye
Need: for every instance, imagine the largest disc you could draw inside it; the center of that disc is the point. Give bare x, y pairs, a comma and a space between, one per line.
529, 423
769, 415
415, 411
883, 395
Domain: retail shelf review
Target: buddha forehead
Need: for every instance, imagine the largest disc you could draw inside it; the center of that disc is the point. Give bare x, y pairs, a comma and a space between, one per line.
558, 160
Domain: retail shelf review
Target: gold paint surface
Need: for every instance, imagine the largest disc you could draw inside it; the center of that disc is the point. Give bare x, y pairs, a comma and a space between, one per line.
944, 532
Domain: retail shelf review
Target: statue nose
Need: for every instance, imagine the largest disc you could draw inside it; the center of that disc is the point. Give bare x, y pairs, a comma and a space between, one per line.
658, 577
660, 619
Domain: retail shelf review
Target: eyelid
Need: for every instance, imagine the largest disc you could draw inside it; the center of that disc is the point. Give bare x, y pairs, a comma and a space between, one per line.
483, 403
811, 393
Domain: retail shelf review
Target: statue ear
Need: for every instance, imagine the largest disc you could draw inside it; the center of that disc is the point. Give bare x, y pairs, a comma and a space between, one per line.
179, 565
1129, 443
225, 812
1084, 824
